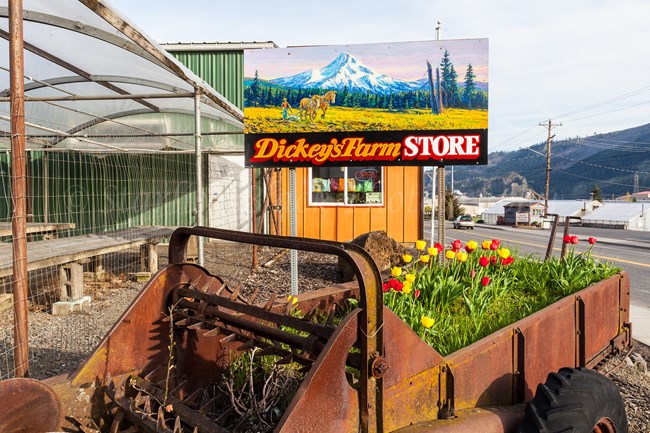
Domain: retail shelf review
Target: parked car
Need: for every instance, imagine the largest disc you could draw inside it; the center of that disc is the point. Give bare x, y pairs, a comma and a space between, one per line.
464, 221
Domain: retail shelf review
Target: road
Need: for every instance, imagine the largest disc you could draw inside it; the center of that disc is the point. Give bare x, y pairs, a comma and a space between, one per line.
627, 249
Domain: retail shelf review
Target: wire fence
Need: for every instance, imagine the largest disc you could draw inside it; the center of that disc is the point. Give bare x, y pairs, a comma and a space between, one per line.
95, 222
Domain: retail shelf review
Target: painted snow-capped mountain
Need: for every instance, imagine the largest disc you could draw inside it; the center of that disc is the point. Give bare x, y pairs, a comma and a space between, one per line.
346, 70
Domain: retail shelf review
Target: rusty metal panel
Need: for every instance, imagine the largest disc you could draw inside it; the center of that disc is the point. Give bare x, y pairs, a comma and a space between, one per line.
550, 342
141, 329
412, 375
29, 406
412, 401
483, 371
601, 315
325, 401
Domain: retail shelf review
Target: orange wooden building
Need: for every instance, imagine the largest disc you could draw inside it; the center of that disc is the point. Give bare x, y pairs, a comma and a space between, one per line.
339, 203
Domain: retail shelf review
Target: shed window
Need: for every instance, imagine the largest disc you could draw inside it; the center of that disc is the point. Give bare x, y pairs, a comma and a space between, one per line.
346, 186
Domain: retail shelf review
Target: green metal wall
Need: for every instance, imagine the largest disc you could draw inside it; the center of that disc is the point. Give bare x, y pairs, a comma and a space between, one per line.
223, 70
106, 192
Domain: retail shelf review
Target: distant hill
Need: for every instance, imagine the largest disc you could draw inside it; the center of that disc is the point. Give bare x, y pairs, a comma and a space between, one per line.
577, 166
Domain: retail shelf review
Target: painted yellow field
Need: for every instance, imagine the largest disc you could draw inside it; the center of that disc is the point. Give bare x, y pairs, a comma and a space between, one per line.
269, 120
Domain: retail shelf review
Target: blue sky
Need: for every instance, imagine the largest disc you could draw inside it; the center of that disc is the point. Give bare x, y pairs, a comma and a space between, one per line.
584, 63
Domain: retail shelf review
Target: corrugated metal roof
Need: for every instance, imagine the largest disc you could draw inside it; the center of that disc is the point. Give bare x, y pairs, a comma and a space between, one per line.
499, 207
565, 208
623, 212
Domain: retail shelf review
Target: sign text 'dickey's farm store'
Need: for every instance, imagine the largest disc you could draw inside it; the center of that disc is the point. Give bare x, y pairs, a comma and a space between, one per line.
414, 103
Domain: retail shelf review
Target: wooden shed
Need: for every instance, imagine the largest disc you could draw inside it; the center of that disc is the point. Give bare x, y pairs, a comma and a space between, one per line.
342, 203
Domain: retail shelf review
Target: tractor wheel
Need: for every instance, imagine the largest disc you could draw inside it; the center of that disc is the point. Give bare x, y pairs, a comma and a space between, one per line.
575, 400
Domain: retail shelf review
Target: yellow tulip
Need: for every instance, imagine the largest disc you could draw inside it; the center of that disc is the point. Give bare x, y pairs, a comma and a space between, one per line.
450, 254
461, 256
433, 251
427, 322
410, 278
406, 288
424, 258
472, 245
407, 258
419, 245
396, 271
504, 253
486, 244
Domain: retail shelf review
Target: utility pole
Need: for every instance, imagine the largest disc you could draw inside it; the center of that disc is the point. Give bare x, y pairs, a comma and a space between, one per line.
441, 171
549, 126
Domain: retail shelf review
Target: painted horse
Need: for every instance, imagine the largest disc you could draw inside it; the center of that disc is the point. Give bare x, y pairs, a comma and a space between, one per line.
308, 107
325, 101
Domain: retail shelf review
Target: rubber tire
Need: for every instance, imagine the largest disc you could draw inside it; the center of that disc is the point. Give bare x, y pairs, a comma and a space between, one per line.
574, 400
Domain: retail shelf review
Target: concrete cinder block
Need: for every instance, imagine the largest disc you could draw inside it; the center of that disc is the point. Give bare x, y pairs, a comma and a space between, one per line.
71, 281
62, 308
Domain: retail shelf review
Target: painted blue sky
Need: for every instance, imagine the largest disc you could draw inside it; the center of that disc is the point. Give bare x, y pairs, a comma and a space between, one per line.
405, 60
583, 63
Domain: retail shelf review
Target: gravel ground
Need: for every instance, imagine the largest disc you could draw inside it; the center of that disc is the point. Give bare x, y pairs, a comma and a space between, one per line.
59, 343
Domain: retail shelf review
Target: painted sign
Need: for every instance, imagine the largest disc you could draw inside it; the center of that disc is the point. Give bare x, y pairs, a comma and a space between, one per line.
412, 103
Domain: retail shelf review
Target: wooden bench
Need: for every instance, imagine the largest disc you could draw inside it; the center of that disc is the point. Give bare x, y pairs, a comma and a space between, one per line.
69, 254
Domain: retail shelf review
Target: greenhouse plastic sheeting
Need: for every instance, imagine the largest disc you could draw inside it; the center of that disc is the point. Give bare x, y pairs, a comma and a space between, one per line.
78, 55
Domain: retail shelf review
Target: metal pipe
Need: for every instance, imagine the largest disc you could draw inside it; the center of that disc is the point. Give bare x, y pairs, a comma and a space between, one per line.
101, 97
18, 189
199, 171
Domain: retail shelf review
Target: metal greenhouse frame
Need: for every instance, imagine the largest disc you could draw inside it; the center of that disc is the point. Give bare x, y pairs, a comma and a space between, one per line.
85, 82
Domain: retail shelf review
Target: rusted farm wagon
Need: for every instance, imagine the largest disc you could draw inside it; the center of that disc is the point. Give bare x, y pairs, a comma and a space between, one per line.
370, 373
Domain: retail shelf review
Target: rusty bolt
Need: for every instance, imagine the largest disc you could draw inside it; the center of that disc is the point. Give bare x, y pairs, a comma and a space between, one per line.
379, 367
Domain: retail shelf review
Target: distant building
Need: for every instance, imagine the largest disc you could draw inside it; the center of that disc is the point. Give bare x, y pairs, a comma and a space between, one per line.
495, 214
523, 213
627, 216
637, 196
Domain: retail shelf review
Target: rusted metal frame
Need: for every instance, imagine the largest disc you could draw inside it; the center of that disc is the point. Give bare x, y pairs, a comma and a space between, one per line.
310, 344
580, 330
58, 61
188, 415
317, 329
18, 189
141, 40
518, 366
445, 392
551, 239
371, 302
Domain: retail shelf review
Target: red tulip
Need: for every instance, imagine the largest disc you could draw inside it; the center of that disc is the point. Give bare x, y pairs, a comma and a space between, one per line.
592, 240
385, 287
567, 239
439, 247
574, 240
493, 260
495, 245
473, 273
483, 261
416, 293
507, 260
456, 245
485, 281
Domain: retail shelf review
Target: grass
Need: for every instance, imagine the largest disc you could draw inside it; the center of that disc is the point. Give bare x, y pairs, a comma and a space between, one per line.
269, 120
